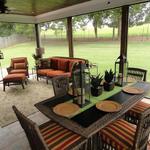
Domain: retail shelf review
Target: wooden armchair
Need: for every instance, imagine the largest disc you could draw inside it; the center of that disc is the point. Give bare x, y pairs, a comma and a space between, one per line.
18, 65
123, 135
60, 85
50, 135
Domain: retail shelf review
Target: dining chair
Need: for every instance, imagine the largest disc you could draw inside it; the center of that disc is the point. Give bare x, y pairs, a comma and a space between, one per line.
133, 114
60, 85
121, 134
138, 74
50, 135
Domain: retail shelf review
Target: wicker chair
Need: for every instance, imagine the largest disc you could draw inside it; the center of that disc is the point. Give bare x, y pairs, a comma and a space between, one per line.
60, 85
137, 73
133, 114
123, 135
50, 135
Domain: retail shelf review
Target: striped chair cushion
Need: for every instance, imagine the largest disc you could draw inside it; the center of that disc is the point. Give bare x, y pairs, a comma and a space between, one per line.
138, 109
58, 137
119, 134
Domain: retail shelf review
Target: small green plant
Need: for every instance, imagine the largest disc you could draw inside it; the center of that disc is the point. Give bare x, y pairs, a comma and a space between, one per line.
109, 75
96, 80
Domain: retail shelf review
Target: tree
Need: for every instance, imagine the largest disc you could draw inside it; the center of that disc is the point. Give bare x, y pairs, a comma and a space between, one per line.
25, 29
6, 29
97, 21
114, 21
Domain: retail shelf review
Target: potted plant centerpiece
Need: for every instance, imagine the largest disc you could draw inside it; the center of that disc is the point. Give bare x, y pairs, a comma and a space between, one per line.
109, 83
96, 88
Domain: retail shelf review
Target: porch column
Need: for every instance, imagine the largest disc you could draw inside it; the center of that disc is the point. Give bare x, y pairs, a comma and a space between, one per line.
70, 36
124, 34
38, 40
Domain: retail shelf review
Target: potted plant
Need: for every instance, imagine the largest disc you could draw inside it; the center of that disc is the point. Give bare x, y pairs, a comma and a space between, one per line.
109, 83
96, 88
36, 58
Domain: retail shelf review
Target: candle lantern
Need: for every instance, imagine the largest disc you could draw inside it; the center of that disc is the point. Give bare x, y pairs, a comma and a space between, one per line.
81, 85
121, 66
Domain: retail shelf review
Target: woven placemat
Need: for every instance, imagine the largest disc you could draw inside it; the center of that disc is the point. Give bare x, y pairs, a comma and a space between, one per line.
66, 109
133, 90
108, 106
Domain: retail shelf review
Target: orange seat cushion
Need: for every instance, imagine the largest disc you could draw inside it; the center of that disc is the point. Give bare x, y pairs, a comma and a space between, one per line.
43, 71
14, 77
138, 109
16, 71
57, 73
120, 134
58, 137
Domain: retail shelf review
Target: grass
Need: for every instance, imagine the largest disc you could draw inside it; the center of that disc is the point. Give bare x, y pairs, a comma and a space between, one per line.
102, 53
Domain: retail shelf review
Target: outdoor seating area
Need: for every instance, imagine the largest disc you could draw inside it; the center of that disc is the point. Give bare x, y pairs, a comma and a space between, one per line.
80, 96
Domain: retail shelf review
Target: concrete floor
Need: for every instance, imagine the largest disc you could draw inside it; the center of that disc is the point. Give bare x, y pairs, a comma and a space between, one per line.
12, 137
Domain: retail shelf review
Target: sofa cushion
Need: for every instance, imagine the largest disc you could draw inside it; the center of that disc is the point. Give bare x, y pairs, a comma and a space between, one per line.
43, 71
19, 65
58, 73
63, 65
54, 63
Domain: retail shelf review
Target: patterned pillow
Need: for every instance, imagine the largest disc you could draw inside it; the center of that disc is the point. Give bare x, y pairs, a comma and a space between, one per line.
19, 66
45, 63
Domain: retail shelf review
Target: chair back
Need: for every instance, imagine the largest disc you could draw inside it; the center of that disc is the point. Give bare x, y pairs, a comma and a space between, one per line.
60, 85
137, 73
142, 131
20, 60
32, 131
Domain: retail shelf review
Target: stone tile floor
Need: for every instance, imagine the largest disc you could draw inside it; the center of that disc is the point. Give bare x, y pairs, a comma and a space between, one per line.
12, 137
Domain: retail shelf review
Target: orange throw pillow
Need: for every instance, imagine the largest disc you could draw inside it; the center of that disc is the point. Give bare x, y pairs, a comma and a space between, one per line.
19, 66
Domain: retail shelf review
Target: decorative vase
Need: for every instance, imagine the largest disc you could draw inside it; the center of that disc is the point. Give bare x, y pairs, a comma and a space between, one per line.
109, 86
96, 91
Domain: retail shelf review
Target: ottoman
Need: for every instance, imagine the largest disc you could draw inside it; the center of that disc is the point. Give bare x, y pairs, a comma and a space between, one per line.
14, 79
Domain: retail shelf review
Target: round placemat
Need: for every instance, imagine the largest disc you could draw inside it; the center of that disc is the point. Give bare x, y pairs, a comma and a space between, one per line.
133, 90
108, 106
66, 109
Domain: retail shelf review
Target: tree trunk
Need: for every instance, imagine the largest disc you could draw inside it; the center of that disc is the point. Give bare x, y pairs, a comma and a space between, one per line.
95, 31
113, 35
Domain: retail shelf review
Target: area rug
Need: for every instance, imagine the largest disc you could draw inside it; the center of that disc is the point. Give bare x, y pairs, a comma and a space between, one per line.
23, 99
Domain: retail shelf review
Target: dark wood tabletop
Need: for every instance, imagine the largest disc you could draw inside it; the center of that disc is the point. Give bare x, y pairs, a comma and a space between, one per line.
92, 120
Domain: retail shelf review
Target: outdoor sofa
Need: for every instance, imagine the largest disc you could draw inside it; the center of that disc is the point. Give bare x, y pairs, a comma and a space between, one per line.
56, 66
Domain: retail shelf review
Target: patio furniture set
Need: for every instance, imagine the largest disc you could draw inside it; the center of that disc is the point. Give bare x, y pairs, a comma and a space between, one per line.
46, 68
91, 128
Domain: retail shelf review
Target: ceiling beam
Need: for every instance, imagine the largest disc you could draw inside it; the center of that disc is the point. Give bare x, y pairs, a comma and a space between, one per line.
83, 8
17, 18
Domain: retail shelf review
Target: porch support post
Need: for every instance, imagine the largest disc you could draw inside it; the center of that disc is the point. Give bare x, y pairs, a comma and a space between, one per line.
38, 39
124, 34
70, 36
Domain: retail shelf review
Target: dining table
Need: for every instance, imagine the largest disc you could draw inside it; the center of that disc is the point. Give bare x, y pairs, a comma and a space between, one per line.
89, 120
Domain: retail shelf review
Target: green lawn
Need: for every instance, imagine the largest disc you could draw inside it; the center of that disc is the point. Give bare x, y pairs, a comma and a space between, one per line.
102, 53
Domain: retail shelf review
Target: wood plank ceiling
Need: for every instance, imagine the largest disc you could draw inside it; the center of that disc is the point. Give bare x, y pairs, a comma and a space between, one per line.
37, 11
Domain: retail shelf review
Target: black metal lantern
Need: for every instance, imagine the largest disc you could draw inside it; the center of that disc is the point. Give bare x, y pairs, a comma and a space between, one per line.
121, 66
1, 57
81, 85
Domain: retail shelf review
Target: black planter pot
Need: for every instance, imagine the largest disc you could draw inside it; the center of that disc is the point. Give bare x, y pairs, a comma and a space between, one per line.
96, 91
109, 86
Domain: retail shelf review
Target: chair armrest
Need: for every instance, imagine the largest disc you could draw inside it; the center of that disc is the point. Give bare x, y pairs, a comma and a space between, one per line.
9, 69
